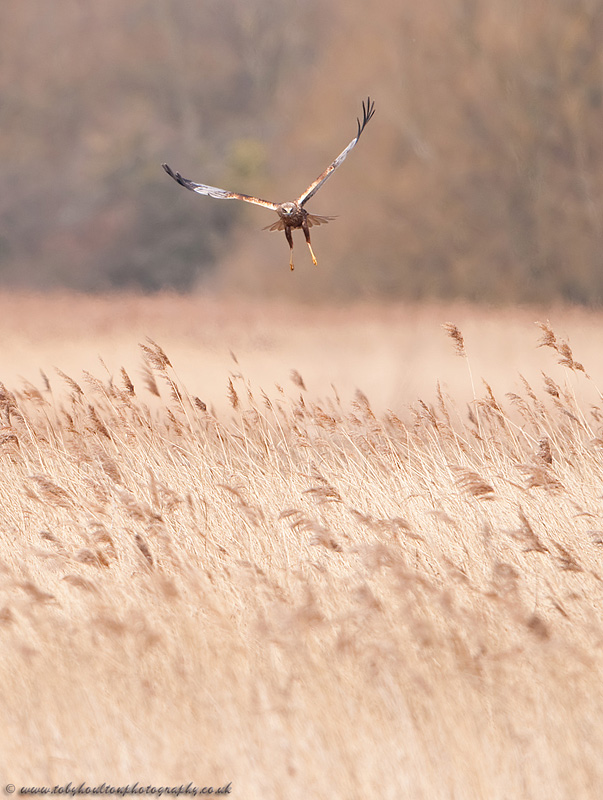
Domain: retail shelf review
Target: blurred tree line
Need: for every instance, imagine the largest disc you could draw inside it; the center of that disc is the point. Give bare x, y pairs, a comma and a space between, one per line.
481, 175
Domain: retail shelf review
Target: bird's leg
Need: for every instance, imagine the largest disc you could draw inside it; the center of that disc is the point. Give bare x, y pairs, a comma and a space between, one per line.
306, 230
290, 240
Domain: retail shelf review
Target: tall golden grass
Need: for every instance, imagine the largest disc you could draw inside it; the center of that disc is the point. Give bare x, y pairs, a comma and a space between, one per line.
305, 597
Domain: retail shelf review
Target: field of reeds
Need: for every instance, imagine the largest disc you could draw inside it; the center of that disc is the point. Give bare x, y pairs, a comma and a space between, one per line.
300, 591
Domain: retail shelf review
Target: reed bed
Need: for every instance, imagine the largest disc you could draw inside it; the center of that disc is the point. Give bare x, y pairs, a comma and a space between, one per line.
302, 596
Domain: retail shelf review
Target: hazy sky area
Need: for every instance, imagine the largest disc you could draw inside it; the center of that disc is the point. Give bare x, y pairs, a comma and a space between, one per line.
480, 177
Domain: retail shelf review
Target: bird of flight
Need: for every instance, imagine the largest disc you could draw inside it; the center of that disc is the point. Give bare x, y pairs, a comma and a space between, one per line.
291, 215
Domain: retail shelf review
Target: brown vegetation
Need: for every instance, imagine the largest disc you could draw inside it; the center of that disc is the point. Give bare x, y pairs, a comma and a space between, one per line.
481, 177
305, 597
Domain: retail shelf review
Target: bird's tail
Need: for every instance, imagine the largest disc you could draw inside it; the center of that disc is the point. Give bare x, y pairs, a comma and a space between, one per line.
317, 219
313, 219
279, 225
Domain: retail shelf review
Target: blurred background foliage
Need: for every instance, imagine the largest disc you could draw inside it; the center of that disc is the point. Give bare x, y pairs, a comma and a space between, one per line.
480, 177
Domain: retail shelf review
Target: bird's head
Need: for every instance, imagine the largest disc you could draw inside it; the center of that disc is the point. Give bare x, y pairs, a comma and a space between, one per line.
288, 208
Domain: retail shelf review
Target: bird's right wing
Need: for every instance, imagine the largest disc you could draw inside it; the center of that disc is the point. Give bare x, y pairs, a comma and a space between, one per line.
213, 191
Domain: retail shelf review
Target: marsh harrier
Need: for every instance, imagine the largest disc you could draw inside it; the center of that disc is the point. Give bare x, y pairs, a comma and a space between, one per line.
291, 215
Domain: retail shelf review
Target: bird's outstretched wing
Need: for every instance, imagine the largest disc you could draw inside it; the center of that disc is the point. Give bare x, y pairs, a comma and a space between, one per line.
213, 191
368, 109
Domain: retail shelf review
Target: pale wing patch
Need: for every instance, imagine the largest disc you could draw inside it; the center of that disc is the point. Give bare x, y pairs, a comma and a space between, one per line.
212, 191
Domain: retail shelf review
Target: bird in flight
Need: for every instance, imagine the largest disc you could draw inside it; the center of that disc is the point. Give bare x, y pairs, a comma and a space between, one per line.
290, 215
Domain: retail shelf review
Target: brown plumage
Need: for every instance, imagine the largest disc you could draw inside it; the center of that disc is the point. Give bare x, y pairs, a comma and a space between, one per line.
291, 215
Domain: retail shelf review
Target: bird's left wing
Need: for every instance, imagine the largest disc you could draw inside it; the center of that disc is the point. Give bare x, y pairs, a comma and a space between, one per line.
368, 109
213, 191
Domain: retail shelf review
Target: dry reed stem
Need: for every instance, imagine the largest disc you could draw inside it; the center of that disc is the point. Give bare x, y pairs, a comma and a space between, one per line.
457, 337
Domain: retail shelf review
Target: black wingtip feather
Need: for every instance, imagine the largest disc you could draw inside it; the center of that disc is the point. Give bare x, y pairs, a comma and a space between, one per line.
368, 109
177, 177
